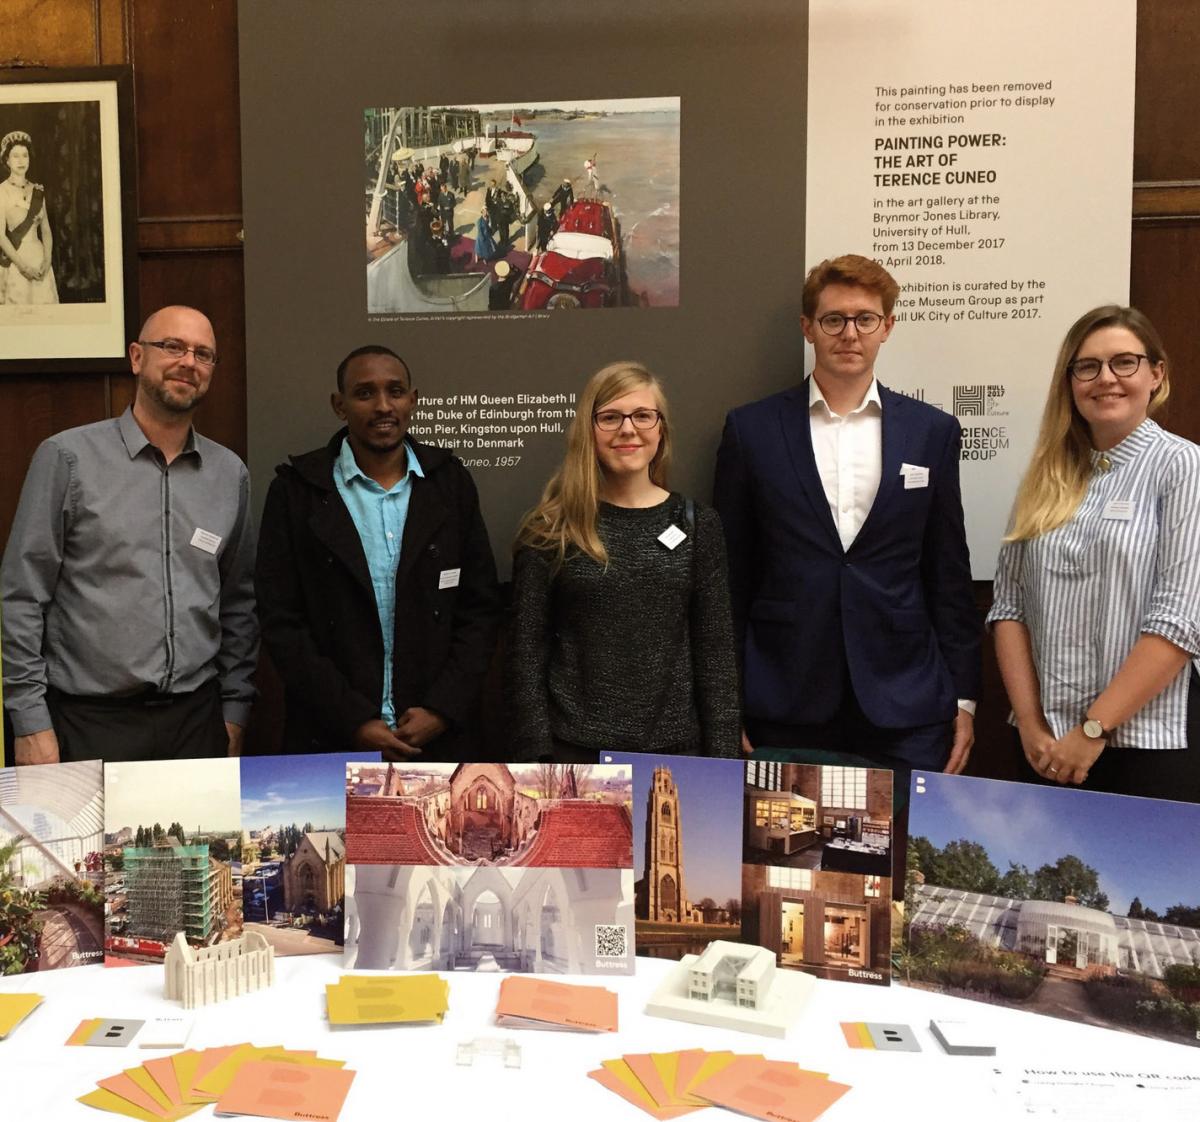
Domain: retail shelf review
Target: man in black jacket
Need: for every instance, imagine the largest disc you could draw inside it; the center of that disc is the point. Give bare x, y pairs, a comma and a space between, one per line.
377, 587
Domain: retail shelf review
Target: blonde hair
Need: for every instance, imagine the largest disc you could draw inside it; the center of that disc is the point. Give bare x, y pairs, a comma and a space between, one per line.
565, 518
1056, 480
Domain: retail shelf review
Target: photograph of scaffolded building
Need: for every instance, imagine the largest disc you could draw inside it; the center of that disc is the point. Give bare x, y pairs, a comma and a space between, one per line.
1071, 903
51, 870
172, 856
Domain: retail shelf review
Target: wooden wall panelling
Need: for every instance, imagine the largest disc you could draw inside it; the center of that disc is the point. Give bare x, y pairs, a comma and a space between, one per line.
1164, 282
185, 62
1166, 142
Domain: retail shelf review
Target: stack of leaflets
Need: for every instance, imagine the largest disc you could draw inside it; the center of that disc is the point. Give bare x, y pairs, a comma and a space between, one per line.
410, 999
527, 1002
271, 1082
14, 1008
671, 1084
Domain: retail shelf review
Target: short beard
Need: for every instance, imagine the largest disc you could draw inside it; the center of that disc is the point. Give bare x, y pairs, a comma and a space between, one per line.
175, 404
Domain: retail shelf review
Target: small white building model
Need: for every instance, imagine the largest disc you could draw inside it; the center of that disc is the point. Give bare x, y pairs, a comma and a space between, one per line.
733, 971
733, 986
210, 974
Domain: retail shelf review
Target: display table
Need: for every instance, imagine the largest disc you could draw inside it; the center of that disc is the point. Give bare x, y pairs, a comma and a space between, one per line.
410, 1072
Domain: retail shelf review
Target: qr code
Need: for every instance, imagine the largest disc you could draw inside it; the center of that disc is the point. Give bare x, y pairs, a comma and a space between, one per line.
611, 940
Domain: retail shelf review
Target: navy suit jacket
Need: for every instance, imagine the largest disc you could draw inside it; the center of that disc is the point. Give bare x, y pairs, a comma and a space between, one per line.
893, 617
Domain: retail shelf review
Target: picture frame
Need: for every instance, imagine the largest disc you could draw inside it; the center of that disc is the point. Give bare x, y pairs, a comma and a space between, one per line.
69, 301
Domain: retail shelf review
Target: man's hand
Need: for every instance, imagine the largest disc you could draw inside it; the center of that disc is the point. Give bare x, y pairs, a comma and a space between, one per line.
964, 738
747, 747
236, 735
419, 726
1070, 758
37, 748
375, 736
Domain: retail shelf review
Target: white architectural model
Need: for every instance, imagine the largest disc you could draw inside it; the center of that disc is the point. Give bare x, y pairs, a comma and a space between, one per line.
735, 971
734, 986
210, 974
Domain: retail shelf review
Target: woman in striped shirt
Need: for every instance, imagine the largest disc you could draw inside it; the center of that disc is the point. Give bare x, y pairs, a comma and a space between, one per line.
1097, 596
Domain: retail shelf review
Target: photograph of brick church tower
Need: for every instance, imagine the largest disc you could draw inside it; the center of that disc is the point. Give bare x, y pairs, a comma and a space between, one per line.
545, 815
686, 847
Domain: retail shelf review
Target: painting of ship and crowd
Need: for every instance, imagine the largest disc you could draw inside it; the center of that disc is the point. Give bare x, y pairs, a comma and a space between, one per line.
522, 208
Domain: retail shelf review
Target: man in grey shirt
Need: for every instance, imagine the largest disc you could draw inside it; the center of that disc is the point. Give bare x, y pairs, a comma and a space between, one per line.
127, 581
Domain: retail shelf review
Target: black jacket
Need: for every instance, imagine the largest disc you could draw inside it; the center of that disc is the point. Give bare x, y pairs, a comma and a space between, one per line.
317, 607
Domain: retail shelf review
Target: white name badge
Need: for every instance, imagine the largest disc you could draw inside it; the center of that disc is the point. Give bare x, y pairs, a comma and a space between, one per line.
1120, 510
206, 540
914, 476
449, 578
671, 536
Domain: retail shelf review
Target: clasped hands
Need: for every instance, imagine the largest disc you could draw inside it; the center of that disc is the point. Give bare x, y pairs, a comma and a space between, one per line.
1065, 760
414, 728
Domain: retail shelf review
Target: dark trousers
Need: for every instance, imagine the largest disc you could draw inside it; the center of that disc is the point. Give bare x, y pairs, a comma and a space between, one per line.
148, 726
1172, 773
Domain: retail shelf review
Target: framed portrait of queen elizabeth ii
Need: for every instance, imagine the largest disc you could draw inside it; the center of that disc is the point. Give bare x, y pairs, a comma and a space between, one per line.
68, 259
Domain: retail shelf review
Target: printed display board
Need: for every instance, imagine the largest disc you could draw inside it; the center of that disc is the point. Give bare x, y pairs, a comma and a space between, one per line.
398, 164
983, 156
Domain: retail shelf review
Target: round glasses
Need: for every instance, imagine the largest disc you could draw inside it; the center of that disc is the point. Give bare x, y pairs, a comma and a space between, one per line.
609, 420
1124, 365
865, 323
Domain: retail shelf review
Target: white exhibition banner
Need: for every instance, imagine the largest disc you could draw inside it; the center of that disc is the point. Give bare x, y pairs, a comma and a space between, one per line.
984, 153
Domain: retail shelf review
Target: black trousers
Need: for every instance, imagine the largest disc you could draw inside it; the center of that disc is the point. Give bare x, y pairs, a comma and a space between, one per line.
148, 726
1153, 773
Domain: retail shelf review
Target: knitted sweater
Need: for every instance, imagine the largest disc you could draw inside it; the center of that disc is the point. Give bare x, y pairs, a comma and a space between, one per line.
637, 656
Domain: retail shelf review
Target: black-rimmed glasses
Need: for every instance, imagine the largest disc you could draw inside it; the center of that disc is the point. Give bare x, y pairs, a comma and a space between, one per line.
609, 420
176, 348
1124, 365
865, 323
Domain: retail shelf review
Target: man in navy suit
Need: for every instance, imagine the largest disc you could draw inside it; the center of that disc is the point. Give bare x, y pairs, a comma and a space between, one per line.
848, 557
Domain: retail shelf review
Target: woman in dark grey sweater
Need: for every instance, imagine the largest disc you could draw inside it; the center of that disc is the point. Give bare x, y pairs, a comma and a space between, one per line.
621, 639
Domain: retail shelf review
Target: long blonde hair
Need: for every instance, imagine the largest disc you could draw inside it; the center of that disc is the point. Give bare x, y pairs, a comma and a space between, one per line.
565, 519
1056, 480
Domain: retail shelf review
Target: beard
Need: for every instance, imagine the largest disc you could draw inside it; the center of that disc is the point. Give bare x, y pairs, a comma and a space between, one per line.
177, 401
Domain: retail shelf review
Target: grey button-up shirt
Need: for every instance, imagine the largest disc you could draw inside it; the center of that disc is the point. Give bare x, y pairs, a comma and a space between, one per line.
123, 573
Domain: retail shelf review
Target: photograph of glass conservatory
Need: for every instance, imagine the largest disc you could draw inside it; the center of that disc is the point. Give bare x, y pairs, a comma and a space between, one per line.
51, 866
1086, 922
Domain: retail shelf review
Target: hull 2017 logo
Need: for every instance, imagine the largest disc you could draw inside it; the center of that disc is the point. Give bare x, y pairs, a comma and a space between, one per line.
978, 401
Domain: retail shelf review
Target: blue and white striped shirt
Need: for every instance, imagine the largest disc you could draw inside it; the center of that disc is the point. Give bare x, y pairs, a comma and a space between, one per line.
1126, 564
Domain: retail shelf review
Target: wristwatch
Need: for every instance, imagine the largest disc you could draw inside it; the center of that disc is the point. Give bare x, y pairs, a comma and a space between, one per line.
1094, 730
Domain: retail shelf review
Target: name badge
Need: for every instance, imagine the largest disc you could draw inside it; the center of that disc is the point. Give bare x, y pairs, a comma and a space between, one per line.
914, 476
449, 578
671, 536
206, 540
1119, 510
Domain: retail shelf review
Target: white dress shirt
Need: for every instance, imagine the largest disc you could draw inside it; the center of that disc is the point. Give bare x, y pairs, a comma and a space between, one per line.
849, 454
848, 449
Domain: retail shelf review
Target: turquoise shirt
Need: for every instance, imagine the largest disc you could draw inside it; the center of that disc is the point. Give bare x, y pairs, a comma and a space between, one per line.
379, 516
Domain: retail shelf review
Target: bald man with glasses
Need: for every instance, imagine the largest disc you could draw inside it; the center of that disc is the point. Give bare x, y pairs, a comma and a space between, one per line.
127, 580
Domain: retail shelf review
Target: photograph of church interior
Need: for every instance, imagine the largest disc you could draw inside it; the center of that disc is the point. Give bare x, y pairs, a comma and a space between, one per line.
810, 816
831, 925
489, 814
528, 920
